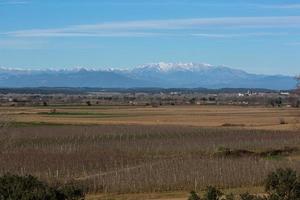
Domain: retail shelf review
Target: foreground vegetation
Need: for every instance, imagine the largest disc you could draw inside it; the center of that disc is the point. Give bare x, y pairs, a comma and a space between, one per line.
140, 158
13, 187
282, 184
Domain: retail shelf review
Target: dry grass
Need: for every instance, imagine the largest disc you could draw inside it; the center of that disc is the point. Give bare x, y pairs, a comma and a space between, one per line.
168, 195
144, 158
204, 116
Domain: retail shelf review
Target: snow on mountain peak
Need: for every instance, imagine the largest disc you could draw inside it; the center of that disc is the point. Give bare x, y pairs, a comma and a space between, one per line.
167, 67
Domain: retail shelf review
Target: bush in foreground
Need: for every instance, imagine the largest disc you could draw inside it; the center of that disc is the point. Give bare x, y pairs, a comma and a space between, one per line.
193, 196
15, 187
212, 194
247, 196
283, 184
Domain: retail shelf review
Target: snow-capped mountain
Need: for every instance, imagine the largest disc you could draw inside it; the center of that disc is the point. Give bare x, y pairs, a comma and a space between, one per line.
192, 75
168, 67
167, 75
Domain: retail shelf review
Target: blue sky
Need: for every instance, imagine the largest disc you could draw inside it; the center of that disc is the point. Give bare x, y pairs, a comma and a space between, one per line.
258, 36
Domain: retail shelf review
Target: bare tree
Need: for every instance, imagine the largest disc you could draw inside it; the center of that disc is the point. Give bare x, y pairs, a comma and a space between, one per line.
298, 84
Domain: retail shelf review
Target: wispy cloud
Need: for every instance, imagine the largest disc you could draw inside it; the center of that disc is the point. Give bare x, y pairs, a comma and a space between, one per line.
281, 6
160, 27
13, 2
21, 44
84, 34
255, 34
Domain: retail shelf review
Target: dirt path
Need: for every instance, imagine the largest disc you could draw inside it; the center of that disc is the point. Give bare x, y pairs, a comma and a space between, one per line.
118, 171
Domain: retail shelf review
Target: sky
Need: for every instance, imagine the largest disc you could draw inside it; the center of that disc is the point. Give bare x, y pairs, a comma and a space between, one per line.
258, 36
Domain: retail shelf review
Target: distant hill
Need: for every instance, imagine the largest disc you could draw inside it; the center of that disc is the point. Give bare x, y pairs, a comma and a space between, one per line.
157, 75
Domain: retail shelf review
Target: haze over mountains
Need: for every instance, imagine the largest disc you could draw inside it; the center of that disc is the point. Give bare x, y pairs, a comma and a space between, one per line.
165, 75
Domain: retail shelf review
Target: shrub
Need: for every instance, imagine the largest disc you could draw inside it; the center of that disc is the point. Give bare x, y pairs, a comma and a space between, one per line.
53, 111
297, 104
283, 184
15, 187
226, 152
193, 196
247, 196
232, 125
24, 188
282, 121
212, 193
71, 192
229, 197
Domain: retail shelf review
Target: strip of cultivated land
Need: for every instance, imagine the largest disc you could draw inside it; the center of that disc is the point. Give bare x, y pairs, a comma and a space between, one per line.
148, 158
203, 116
160, 153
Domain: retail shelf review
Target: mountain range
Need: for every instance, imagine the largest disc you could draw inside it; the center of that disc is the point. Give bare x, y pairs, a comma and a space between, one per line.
163, 75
